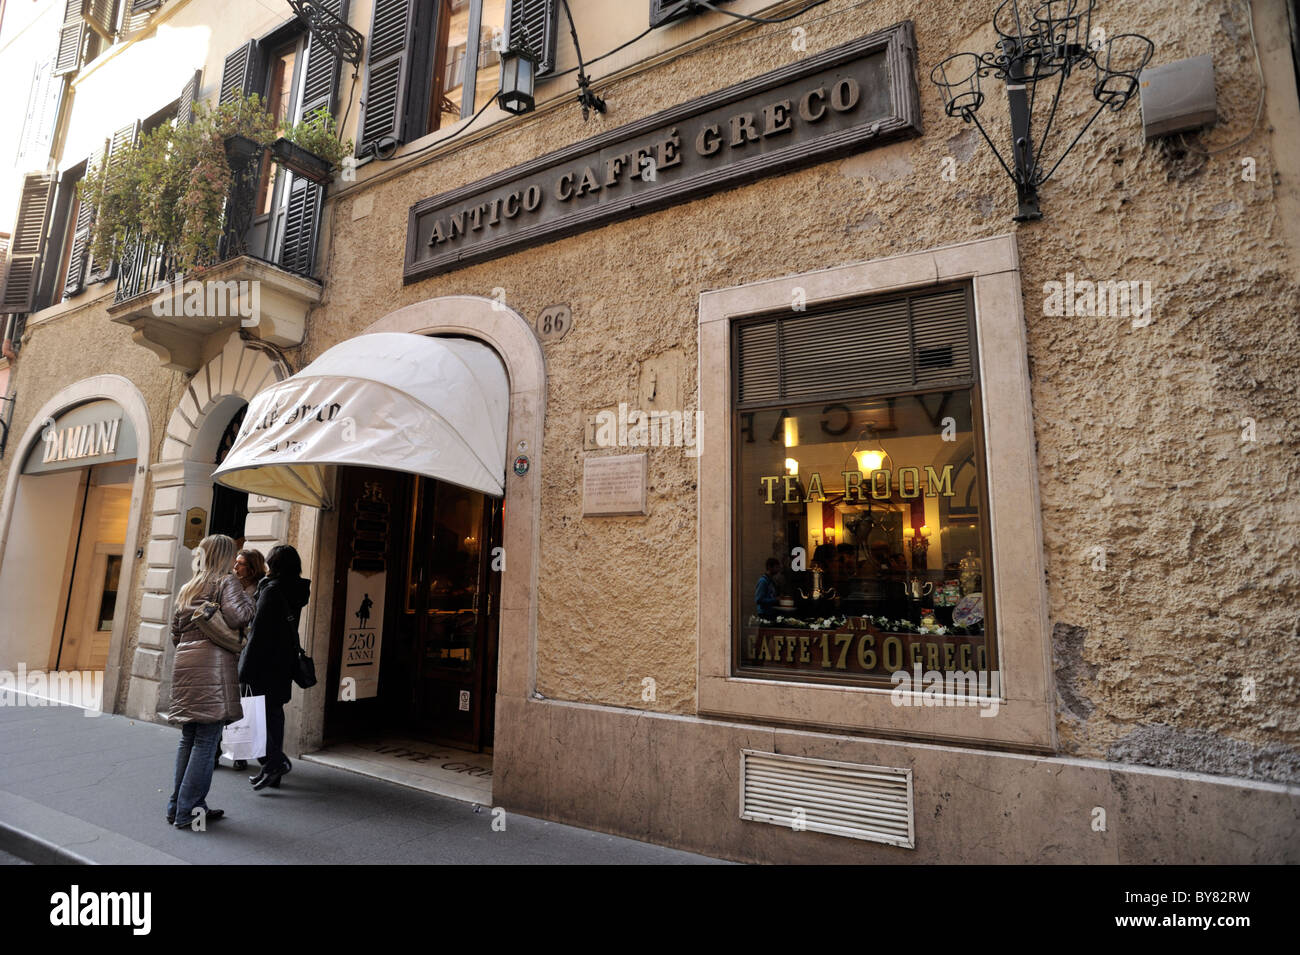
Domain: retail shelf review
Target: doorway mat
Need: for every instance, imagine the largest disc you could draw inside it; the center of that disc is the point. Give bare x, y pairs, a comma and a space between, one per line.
415, 763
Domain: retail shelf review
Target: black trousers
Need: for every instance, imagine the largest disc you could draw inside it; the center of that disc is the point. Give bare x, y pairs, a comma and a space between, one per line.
274, 735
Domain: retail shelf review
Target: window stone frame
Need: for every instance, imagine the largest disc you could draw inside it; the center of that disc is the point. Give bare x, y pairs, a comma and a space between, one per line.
1025, 715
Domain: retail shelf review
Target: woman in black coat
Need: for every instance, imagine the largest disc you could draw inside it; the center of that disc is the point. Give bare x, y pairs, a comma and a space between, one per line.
271, 656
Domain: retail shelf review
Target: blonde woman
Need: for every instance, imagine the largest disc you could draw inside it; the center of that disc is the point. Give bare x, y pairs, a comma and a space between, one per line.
205, 687
250, 568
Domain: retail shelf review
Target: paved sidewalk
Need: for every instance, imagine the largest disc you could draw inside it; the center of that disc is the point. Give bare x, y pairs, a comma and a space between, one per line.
94, 789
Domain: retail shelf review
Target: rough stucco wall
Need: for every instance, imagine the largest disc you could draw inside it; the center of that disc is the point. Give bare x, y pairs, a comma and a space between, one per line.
1138, 429
78, 345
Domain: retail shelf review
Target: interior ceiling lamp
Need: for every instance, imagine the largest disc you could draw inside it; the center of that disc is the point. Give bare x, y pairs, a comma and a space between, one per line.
518, 77
1052, 42
868, 453
331, 32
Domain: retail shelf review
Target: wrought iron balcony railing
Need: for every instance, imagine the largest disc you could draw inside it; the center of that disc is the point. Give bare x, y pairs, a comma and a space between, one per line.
286, 237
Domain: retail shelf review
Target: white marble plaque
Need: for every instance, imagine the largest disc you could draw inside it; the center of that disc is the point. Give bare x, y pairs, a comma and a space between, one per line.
613, 486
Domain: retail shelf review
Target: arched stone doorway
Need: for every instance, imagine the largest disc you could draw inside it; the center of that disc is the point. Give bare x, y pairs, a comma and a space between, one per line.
515, 343
23, 524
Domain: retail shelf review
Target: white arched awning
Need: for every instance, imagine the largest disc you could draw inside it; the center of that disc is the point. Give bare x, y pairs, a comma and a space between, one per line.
430, 406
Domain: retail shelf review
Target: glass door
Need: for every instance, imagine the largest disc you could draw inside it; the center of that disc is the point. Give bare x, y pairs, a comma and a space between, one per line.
449, 604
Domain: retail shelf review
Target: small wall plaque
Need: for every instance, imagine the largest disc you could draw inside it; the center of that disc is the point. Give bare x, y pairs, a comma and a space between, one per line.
554, 323
196, 524
614, 486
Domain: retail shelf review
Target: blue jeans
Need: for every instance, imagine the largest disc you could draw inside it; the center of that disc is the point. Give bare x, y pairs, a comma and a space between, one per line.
198, 749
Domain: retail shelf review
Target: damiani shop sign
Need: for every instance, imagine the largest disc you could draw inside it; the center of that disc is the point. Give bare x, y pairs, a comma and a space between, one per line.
842, 101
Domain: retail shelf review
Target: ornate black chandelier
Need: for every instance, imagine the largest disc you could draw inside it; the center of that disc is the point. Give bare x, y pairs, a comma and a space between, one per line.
1051, 43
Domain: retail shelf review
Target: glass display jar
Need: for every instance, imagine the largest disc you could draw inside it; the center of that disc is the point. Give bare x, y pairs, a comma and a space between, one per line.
972, 574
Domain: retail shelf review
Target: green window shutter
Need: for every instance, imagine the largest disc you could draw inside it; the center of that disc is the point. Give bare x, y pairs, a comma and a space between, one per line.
535, 20
79, 257
323, 68
301, 218
320, 89
27, 244
665, 11
241, 73
189, 96
386, 72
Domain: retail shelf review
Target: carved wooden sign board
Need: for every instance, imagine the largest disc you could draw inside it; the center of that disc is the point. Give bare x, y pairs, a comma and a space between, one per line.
831, 104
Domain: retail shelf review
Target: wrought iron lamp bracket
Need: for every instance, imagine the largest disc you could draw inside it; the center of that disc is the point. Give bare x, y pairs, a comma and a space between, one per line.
331, 32
1054, 42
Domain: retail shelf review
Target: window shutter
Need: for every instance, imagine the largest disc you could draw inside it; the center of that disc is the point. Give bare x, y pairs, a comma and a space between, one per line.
102, 17
42, 117
300, 222
386, 69
72, 39
82, 270
240, 74
138, 15
118, 144
535, 20
665, 11
189, 95
874, 348
322, 68
78, 259
28, 244
320, 88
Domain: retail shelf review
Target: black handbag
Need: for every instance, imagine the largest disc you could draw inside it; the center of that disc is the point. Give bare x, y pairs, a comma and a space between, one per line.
304, 671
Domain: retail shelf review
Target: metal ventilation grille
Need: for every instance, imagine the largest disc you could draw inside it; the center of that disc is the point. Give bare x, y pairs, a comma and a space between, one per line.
942, 342
856, 350
879, 347
760, 368
844, 799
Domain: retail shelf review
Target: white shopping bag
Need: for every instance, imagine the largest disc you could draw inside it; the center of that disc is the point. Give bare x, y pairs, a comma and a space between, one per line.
246, 739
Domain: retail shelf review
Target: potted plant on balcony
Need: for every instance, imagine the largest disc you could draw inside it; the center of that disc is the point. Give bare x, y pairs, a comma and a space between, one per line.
170, 189
312, 148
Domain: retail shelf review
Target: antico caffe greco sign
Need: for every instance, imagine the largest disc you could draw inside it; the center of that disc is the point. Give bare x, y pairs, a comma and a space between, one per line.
832, 104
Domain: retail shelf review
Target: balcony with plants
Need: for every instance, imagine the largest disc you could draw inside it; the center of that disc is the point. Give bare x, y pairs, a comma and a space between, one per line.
226, 195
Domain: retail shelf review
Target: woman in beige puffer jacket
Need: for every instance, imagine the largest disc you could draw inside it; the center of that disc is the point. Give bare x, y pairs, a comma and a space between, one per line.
205, 684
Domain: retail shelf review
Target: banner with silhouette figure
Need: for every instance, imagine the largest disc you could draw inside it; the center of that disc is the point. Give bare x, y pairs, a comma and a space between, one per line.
363, 634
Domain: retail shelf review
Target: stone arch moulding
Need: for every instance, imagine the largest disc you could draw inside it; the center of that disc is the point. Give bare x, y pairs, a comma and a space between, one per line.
182, 479
514, 341
124, 392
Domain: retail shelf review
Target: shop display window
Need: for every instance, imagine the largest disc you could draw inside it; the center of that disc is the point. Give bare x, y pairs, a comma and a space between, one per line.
860, 514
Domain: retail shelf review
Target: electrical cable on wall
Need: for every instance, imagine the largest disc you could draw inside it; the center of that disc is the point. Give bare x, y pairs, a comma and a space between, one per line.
1259, 107
374, 148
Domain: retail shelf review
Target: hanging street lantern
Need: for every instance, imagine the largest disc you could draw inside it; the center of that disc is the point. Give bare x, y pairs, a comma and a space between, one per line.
518, 75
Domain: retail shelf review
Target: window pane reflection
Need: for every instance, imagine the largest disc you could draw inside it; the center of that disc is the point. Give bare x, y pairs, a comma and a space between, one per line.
861, 538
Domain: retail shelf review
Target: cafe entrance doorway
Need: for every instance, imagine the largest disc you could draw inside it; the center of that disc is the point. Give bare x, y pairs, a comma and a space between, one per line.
414, 627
